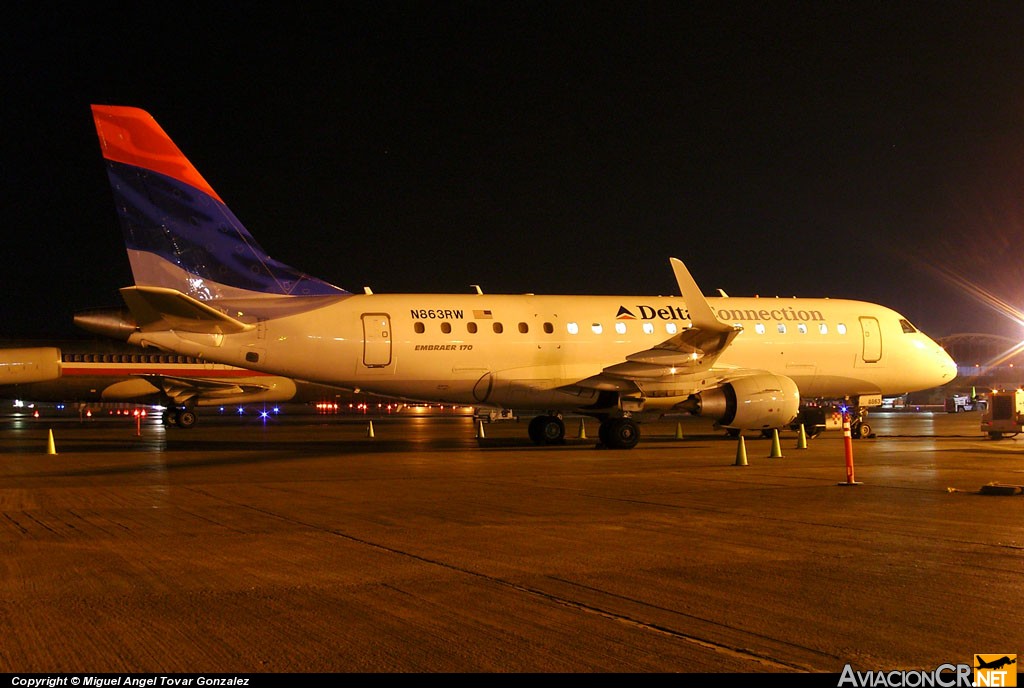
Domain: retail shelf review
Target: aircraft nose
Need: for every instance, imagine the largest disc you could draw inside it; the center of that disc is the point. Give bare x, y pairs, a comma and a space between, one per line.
947, 365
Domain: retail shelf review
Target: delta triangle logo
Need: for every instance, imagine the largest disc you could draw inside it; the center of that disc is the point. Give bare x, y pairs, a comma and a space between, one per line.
624, 314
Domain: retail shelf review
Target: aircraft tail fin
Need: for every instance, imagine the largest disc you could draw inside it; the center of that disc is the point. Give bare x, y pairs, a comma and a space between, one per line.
178, 232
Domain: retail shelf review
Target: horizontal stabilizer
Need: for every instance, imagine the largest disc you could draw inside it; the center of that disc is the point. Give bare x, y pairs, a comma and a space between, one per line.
159, 308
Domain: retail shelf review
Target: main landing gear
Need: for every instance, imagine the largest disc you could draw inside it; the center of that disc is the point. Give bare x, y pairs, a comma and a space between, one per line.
182, 417
548, 429
619, 432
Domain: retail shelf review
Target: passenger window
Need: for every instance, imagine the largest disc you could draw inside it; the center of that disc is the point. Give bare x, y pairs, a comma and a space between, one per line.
759, 328
596, 328
648, 328
548, 328
620, 327
572, 327
782, 328
471, 327
446, 328
524, 328
671, 328
823, 328
498, 329
418, 328
841, 328
802, 328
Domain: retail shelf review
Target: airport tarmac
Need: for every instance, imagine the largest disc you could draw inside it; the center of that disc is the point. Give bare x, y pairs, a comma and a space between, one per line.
306, 545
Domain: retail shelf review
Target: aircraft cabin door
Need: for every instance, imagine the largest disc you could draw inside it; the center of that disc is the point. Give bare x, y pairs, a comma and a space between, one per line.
872, 334
376, 340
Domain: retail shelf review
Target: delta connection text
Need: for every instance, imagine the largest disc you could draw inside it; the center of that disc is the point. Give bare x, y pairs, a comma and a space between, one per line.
647, 312
139, 681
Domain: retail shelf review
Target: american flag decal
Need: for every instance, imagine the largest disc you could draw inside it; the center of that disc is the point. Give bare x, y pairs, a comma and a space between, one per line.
482, 314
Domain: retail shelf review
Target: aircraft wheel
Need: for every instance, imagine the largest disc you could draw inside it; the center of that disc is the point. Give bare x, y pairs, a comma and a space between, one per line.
547, 430
865, 431
186, 419
620, 433
553, 430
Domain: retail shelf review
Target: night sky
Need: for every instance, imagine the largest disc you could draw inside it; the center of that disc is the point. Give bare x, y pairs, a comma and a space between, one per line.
860, 150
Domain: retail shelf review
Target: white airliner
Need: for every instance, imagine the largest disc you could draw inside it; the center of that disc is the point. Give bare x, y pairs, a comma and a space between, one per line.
205, 288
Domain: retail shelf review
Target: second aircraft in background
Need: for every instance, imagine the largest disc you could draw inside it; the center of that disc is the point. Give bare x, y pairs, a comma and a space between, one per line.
91, 372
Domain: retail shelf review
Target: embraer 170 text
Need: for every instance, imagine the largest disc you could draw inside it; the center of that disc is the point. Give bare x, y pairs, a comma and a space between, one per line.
205, 288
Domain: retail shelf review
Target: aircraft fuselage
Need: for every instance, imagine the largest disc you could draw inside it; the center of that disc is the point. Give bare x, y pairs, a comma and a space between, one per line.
524, 350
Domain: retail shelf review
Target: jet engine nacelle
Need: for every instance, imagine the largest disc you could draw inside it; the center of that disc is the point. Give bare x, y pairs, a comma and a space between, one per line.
753, 402
108, 322
31, 364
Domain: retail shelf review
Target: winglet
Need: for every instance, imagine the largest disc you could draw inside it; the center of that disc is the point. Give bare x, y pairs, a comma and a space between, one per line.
701, 315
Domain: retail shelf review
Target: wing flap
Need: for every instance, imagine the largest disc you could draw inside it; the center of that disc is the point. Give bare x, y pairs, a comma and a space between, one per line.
206, 391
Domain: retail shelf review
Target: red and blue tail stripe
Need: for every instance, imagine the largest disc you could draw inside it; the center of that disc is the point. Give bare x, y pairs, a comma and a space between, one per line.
175, 223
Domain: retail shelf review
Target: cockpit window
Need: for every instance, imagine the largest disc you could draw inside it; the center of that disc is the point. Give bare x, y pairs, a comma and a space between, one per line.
907, 327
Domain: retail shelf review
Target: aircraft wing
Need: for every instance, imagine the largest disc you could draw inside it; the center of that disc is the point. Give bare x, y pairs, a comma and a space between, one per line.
184, 390
690, 352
